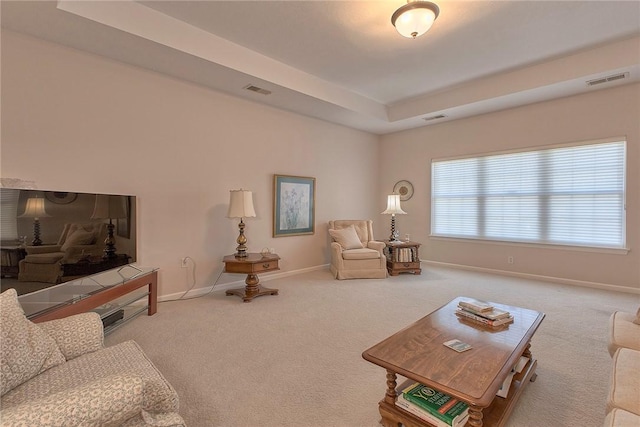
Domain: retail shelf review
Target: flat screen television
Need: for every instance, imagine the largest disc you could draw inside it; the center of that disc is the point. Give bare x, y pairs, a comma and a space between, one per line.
51, 237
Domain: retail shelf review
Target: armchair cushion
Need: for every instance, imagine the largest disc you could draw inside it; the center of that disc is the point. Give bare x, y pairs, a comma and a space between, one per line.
26, 350
105, 402
44, 258
346, 237
76, 335
43, 249
362, 253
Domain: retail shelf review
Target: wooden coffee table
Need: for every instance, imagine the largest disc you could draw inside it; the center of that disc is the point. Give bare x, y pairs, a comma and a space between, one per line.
474, 376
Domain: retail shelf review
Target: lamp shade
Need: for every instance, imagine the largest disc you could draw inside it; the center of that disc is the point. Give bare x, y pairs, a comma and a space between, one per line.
35, 209
241, 204
393, 205
109, 207
415, 18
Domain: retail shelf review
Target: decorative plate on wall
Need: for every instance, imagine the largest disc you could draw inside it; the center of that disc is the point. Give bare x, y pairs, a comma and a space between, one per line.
404, 189
60, 197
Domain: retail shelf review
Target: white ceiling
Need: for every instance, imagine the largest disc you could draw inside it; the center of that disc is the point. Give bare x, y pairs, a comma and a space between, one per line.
343, 61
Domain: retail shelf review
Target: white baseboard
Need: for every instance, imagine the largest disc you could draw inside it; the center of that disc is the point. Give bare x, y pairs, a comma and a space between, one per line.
266, 277
605, 286
238, 283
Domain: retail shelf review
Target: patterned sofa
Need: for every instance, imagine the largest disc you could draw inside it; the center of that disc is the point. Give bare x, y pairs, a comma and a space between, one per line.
59, 373
623, 401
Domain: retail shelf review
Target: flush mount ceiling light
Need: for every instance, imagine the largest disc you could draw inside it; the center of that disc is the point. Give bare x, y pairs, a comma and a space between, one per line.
415, 18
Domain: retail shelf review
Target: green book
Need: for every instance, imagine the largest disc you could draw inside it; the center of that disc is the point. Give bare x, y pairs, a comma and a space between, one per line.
441, 405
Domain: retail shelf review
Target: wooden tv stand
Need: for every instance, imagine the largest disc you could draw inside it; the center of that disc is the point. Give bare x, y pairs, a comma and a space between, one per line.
115, 288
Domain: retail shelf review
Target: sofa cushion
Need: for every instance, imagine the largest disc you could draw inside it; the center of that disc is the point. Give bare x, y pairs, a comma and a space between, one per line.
623, 332
126, 358
346, 237
624, 387
107, 402
26, 350
76, 335
637, 319
621, 418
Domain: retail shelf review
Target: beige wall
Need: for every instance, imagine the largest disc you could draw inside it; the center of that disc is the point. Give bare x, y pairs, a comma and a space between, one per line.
599, 114
78, 122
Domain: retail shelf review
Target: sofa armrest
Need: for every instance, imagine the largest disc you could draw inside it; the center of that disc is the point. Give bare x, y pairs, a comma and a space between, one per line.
76, 335
43, 249
106, 402
378, 246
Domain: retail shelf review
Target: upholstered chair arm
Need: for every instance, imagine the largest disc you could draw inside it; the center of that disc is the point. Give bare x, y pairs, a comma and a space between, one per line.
378, 246
336, 255
108, 401
44, 249
76, 335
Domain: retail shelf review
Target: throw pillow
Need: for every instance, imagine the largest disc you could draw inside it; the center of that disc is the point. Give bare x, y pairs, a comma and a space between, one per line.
347, 237
637, 319
25, 349
79, 237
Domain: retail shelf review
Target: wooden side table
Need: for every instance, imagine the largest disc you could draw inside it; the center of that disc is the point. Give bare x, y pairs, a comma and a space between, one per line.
402, 257
251, 265
11, 256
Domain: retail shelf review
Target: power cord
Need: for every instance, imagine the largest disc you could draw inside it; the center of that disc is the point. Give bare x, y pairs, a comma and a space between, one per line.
182, 298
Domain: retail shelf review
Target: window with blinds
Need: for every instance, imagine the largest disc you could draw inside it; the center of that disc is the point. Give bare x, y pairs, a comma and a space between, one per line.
570, 195
8, 213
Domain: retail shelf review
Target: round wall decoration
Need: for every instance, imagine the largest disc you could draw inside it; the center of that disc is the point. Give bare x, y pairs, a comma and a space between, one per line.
404, 189
60, 197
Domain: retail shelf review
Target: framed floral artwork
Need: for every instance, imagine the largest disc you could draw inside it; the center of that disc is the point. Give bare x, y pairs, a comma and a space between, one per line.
294, 199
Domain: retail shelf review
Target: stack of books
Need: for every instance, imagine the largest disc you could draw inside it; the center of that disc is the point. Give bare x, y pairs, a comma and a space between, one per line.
483, 312
433, 406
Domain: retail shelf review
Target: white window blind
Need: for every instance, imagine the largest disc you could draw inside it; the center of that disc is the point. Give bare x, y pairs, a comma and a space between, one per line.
8, 213
569, 195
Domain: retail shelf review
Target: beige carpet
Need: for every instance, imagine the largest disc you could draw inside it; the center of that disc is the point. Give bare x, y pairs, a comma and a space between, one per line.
295, 359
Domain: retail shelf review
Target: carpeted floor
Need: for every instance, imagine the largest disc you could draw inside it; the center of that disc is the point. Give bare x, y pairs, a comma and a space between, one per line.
295, 359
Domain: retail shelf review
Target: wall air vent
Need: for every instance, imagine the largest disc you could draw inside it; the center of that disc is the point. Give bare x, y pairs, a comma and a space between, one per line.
607, 79
257, 89
439, 116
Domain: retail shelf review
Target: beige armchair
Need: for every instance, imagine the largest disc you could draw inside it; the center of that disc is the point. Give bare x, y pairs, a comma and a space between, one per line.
43, 263
354, 252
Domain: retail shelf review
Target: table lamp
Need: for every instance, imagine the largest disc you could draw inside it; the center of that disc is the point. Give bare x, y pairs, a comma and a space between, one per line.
109, 207
393, 209
35, 209
241, 206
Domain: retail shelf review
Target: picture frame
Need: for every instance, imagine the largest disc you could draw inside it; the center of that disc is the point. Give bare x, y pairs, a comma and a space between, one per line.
294, 201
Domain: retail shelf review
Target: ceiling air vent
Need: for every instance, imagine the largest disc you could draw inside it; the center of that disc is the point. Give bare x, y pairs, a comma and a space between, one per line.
607, 79
439, 116
257, 89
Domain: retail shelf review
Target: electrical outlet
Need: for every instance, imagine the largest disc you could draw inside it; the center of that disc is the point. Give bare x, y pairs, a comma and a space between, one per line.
510, 259
184, 262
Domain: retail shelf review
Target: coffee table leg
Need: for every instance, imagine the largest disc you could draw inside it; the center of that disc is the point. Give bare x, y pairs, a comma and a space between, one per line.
390, 394
475, 416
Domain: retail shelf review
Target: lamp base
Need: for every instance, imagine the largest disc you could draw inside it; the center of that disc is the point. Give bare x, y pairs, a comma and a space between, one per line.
109, 243
241, 249
393, 237
36, 233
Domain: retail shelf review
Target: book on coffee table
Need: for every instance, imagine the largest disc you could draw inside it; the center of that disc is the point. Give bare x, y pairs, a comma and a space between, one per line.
411, 407
441, 405
475, 305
